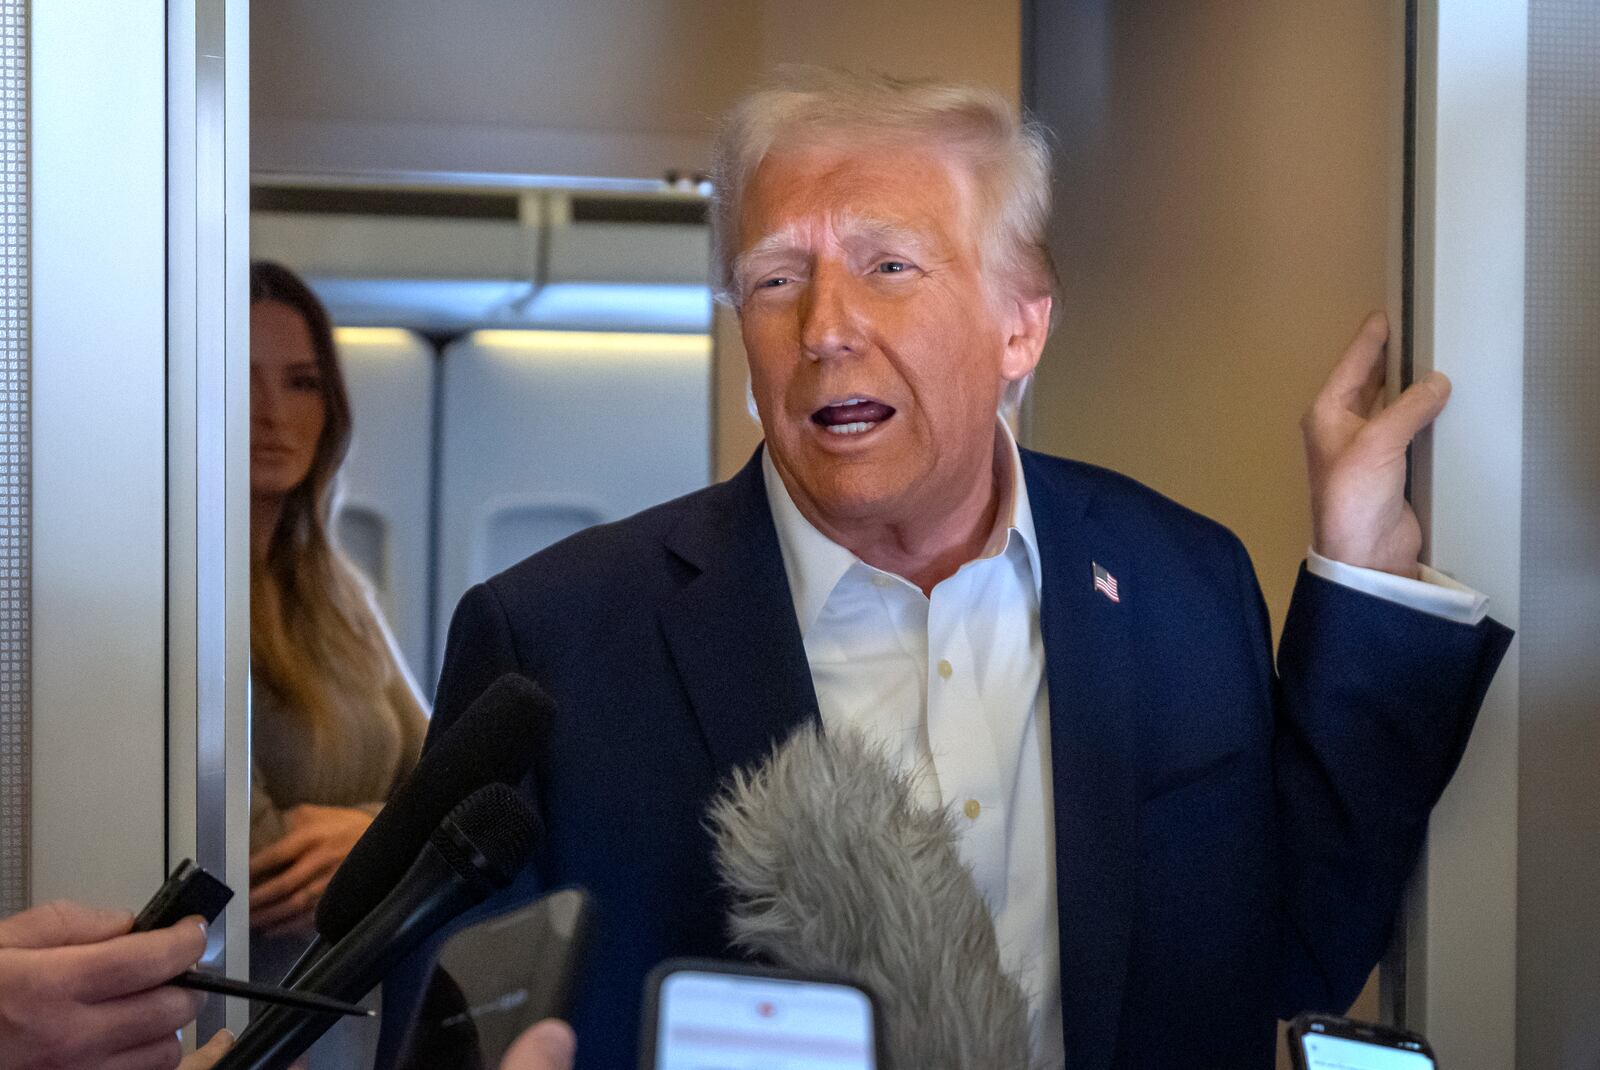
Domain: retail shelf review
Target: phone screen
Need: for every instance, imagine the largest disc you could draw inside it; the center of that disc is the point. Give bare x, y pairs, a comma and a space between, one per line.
1323, 1052
726, 1021
494, 979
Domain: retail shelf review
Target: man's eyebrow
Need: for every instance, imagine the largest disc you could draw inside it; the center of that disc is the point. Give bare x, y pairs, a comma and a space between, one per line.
776, 243
858, 228
853, 229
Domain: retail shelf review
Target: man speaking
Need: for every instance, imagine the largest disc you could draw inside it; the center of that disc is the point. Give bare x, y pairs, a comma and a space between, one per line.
1178, 840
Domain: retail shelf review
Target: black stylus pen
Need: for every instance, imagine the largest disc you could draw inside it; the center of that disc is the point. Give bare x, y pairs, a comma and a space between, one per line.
227, 986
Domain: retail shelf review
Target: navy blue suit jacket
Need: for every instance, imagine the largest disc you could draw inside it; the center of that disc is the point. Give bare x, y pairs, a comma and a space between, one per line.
1232, 840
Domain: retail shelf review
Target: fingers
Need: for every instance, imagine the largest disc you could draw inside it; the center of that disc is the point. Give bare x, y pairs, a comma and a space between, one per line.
284, 885
279, 853
207, 1057
63, 922
297, 892
130, 963
297, 904
1395, 427
134, 1021
1357, 380
550, 1045
163, 1053
296, 915
135, 1031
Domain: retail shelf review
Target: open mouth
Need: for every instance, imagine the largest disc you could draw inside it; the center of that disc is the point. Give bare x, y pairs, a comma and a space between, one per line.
853, 416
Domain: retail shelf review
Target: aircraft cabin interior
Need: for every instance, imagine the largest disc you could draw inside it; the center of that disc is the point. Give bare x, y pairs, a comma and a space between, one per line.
493, 230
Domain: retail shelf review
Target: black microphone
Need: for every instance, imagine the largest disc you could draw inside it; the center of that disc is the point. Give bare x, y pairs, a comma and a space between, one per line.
495, 740
476, 850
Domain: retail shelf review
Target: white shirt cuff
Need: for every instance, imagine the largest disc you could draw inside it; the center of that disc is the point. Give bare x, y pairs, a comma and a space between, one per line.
1435, 593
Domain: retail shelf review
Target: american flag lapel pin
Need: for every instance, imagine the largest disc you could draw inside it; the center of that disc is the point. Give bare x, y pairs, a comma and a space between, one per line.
1105, 582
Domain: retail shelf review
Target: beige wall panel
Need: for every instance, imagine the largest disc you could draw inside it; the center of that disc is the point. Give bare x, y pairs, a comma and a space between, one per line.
1224, 213
962, 40
604, 87
1227, 211
617, 87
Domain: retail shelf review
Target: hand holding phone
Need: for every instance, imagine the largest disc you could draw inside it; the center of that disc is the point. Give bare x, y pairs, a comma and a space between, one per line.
702, 1013
190, 890
78, 989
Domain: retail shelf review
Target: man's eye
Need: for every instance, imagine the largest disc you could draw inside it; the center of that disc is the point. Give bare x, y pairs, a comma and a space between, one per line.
892, 267
306, 382
772, 283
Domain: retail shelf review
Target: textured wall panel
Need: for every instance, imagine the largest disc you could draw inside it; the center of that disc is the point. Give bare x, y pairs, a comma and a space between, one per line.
14, 518
1558, 1013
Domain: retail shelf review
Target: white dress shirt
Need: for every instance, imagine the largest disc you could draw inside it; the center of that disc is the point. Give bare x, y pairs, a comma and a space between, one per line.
952, 686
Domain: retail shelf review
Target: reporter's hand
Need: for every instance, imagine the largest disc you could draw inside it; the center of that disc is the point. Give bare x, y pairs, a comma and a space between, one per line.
205, 1058
288, 877
1356, 456
547, 1046
77, 989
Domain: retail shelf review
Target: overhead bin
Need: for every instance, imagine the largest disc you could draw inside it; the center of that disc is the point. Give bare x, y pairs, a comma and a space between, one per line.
545, 433
452, 275
451, 306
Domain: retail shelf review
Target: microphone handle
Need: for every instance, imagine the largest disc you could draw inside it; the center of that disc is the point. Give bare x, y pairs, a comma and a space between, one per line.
430, 894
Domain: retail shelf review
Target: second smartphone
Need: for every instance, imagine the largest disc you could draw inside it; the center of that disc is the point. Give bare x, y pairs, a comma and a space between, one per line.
701, 1013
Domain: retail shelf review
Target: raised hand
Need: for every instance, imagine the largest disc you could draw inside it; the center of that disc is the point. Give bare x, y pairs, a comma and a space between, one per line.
77, 989
1356, 455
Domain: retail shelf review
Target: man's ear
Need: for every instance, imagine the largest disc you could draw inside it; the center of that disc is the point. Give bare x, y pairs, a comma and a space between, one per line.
1028, 327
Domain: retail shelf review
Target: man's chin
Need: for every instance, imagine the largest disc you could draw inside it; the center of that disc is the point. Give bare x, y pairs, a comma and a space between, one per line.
853, 497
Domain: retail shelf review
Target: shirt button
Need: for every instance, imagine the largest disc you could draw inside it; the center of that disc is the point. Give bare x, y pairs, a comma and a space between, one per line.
880, 580
945, 668
972, 809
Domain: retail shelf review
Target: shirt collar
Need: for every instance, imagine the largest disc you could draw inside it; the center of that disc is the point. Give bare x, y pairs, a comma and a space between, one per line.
815, 563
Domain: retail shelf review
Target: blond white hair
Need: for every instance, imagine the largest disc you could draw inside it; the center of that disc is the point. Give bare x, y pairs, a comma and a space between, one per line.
1007, 158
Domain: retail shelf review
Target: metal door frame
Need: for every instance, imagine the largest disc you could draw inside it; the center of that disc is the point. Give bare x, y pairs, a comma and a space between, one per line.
208, 449
1467, 313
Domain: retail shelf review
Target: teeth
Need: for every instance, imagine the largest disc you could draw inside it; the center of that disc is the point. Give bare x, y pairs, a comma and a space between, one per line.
852, 429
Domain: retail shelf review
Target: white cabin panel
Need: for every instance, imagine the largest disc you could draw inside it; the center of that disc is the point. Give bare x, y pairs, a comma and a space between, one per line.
382, 519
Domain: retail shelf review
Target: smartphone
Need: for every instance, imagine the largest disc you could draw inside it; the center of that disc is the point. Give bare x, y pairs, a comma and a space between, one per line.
492, 980
188, 890
1328, 1042
732, 1016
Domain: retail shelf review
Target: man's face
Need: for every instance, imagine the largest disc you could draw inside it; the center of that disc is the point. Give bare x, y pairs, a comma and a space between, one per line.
877, 353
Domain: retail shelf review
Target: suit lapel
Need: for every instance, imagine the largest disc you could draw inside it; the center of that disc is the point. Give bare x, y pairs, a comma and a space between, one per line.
1090, 667
732, 629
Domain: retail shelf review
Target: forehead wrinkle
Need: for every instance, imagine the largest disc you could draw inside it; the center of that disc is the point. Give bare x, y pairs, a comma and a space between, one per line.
853, 226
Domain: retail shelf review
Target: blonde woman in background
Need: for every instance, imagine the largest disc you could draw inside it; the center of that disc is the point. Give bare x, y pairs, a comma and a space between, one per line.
336, 720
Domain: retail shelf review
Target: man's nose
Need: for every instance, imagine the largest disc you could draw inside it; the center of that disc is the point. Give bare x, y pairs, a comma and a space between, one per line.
830, 317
